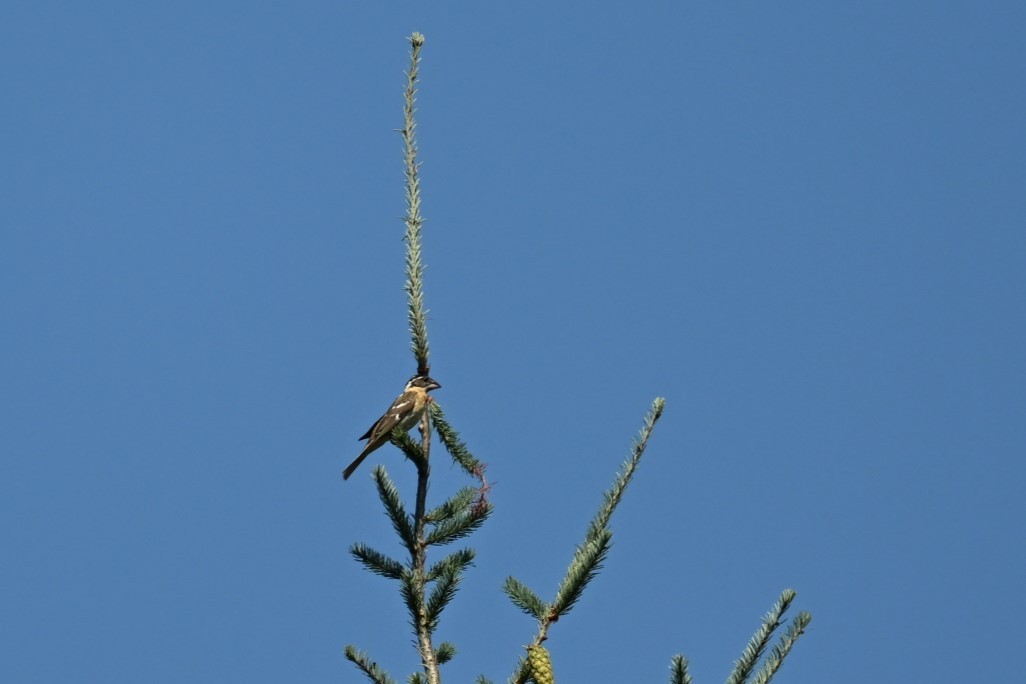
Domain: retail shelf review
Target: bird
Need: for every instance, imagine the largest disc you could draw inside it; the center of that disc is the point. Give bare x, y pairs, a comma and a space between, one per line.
405, 412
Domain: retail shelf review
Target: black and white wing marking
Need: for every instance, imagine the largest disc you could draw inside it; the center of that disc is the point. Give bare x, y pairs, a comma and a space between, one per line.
401, 408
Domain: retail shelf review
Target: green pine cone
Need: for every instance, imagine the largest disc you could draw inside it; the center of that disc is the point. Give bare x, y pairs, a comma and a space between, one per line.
541, 665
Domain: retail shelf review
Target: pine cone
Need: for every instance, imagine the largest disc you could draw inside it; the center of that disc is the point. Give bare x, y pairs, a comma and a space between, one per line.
541, 665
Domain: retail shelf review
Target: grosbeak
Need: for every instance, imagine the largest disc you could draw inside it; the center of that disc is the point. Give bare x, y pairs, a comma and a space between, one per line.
405, 412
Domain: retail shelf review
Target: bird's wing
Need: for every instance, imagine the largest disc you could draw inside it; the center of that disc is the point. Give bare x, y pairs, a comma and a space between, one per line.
399, 409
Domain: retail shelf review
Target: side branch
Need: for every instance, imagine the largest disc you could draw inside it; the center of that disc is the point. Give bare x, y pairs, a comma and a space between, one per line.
587, 559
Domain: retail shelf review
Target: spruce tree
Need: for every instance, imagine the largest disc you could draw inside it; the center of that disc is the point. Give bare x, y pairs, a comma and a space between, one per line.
427, 587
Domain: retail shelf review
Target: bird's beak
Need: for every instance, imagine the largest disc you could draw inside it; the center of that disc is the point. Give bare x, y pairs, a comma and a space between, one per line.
434, 384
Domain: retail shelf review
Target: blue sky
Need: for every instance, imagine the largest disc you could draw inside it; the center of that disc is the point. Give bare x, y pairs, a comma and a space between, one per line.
802, 223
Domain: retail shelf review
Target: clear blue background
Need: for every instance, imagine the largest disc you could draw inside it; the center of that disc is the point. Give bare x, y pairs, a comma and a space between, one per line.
802, 223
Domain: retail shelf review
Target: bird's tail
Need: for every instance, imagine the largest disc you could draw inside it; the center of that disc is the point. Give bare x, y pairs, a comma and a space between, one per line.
354, 465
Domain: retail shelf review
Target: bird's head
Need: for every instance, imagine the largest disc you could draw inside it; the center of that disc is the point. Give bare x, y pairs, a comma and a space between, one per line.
422, 381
